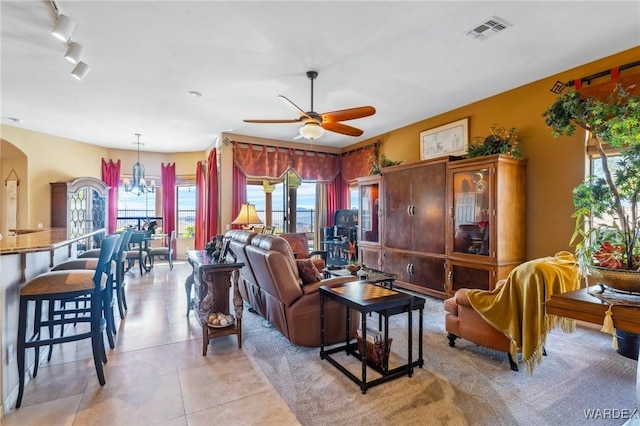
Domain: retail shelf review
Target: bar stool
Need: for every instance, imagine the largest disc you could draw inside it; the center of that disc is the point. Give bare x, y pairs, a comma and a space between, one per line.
92, 264
120, 262
58, 286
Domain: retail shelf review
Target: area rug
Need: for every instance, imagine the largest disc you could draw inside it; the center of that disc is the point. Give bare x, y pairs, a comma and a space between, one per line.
581, 381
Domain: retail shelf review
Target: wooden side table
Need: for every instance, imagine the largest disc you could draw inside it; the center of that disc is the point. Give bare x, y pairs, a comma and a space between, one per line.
212, 281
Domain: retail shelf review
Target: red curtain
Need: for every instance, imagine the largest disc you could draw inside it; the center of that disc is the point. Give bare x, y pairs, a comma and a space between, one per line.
315, 166
357, 163
111, 177
337, 198
169, 200
212, 196
201, 197
239, 192
262, 162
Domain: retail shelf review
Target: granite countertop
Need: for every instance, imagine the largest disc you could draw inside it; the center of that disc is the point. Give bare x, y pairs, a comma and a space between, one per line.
42, 240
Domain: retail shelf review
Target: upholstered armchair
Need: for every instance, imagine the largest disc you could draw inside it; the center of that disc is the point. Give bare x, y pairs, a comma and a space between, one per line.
512, 318
300, 247
462, 321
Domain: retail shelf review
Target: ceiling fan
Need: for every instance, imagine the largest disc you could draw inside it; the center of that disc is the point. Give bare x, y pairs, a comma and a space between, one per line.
315, 124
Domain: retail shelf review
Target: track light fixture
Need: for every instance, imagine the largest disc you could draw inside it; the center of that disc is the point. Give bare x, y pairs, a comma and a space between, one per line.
63, 28
74, 52
81, 70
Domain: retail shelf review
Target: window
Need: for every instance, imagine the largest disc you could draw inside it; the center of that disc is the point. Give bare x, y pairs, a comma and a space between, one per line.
305, 203
134, 210
353, 197
186, 210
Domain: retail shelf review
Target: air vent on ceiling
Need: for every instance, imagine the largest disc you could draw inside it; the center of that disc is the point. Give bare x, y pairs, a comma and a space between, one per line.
488, 28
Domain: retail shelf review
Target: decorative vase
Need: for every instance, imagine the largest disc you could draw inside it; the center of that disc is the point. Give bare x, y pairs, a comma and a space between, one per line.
618, 279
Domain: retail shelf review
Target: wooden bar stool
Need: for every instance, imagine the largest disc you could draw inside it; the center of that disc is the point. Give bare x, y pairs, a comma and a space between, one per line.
57, 286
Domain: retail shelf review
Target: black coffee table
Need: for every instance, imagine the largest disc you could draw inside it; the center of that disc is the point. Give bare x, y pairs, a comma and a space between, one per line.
366, 297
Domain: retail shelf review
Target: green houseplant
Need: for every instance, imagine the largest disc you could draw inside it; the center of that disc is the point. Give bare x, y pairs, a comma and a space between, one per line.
606, 209
500, 141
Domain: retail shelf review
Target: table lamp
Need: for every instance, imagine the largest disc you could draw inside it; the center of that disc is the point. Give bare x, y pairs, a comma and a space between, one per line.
247, 216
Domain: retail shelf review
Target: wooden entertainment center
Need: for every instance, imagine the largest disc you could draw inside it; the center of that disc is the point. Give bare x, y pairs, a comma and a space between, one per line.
444, 224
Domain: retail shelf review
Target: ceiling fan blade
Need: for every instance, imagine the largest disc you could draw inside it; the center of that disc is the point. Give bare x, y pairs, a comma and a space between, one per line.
295, 107
347, 114
342, 128
295, 120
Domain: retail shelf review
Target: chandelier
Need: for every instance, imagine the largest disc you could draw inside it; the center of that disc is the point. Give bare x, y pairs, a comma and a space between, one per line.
139, 184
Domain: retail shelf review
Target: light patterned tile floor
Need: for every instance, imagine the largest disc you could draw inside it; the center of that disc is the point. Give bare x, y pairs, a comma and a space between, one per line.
156, 374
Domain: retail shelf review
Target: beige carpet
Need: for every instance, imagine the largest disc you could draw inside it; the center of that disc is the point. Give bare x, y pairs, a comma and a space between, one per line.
457, 386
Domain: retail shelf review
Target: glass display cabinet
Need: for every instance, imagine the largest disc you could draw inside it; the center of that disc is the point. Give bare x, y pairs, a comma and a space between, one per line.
369, 220
80, 206
486, 224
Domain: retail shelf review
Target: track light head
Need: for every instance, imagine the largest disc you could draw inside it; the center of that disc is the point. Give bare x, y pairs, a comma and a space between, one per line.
63, 28
81, 70
74, 52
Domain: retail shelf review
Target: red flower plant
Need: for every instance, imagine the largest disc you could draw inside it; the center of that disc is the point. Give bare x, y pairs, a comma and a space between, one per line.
610, 255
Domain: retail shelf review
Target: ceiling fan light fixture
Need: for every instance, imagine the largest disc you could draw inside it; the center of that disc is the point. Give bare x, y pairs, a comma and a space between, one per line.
63, 28
311, 130
74, 52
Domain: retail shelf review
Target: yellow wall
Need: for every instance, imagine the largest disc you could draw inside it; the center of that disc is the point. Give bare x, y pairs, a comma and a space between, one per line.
555, 166
54, 159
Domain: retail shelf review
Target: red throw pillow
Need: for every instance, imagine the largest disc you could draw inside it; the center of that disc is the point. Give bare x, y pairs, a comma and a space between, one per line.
308, 271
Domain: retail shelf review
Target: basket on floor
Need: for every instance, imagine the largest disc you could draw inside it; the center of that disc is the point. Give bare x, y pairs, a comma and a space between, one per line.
375, 352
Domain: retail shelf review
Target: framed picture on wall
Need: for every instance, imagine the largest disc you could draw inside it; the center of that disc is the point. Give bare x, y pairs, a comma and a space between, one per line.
449, 139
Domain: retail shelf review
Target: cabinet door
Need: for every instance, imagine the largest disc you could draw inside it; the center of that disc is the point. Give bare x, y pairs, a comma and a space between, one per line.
369, 222
370, 256
428, 211
472, 211
397, 262
397, 199
428, 272
470, 275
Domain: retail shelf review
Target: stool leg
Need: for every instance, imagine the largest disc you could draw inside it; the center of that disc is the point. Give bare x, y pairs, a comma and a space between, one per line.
51, 330
37, 324
22, 331
97, 344
107, 300
119, 289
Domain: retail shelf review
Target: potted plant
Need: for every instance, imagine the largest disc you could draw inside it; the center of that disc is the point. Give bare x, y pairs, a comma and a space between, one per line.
606, 208
500, 141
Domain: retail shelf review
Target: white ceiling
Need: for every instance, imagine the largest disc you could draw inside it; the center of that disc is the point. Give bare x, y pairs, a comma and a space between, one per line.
410, 60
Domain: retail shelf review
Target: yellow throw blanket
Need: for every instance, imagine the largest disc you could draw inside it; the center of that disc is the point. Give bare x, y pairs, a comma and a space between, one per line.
517, 307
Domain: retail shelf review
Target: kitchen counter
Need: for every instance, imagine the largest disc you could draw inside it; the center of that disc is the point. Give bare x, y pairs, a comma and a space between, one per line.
42, 240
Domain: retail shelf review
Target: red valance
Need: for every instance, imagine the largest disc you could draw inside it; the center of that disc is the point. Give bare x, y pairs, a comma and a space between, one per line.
356, 163
263, 162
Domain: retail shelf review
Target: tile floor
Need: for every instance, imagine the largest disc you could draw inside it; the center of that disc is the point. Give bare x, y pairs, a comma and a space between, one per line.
156, 374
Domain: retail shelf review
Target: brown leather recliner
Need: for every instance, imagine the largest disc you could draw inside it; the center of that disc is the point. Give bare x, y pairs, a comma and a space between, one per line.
247, 282
300, 247
271, 285
463, 321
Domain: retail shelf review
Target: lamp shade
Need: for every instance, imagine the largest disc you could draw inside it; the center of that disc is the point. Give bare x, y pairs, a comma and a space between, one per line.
311, 130
247, 215
63, 28
80, 71
74, 52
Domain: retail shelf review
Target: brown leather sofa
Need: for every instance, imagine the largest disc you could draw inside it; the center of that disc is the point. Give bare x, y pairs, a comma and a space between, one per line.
270, 284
